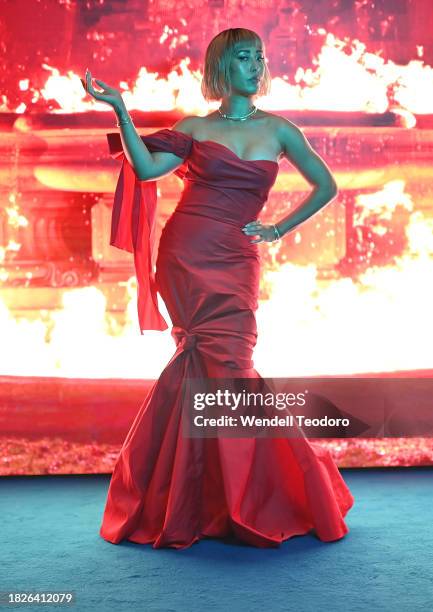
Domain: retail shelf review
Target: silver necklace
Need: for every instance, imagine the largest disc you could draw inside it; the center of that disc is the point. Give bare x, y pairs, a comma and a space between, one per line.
224, 116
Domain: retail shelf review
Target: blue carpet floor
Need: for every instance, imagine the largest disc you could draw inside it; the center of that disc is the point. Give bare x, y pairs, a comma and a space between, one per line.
50, 542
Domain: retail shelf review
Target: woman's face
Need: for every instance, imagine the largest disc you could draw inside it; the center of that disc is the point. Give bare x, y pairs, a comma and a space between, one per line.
248, 61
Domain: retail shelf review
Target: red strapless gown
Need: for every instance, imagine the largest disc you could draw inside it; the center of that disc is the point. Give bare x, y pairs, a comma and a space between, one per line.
167, 489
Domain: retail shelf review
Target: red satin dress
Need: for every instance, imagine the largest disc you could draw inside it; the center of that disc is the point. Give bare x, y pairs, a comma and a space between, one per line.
166, 489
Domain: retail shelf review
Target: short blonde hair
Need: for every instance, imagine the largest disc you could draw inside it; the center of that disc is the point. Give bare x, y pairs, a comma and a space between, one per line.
216, 76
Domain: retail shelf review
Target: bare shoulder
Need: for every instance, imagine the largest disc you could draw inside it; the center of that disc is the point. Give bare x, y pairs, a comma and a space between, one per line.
292, 141
288, 133
186, 124
296, 148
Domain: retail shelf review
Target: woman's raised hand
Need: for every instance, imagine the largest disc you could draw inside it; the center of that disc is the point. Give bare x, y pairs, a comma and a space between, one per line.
110, 95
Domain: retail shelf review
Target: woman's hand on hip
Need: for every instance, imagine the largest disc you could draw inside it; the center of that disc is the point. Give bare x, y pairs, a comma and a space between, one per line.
266, 233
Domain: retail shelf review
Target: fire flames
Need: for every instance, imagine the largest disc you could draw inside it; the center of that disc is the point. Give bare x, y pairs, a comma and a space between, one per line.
341, 326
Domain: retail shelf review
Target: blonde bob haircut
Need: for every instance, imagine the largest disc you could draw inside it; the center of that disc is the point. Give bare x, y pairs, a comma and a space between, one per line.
221, 49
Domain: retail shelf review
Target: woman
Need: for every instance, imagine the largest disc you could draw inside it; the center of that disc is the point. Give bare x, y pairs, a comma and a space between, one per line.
168, 489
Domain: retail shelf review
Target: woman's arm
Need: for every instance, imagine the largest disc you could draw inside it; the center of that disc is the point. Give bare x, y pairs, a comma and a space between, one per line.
298, 151
134, 148
147, 166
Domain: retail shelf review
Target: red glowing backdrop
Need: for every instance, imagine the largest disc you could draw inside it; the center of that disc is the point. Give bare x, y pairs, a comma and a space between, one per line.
349, 291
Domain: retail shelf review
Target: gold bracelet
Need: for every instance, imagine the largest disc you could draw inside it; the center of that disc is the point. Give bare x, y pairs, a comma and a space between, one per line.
124, 120
277, 233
